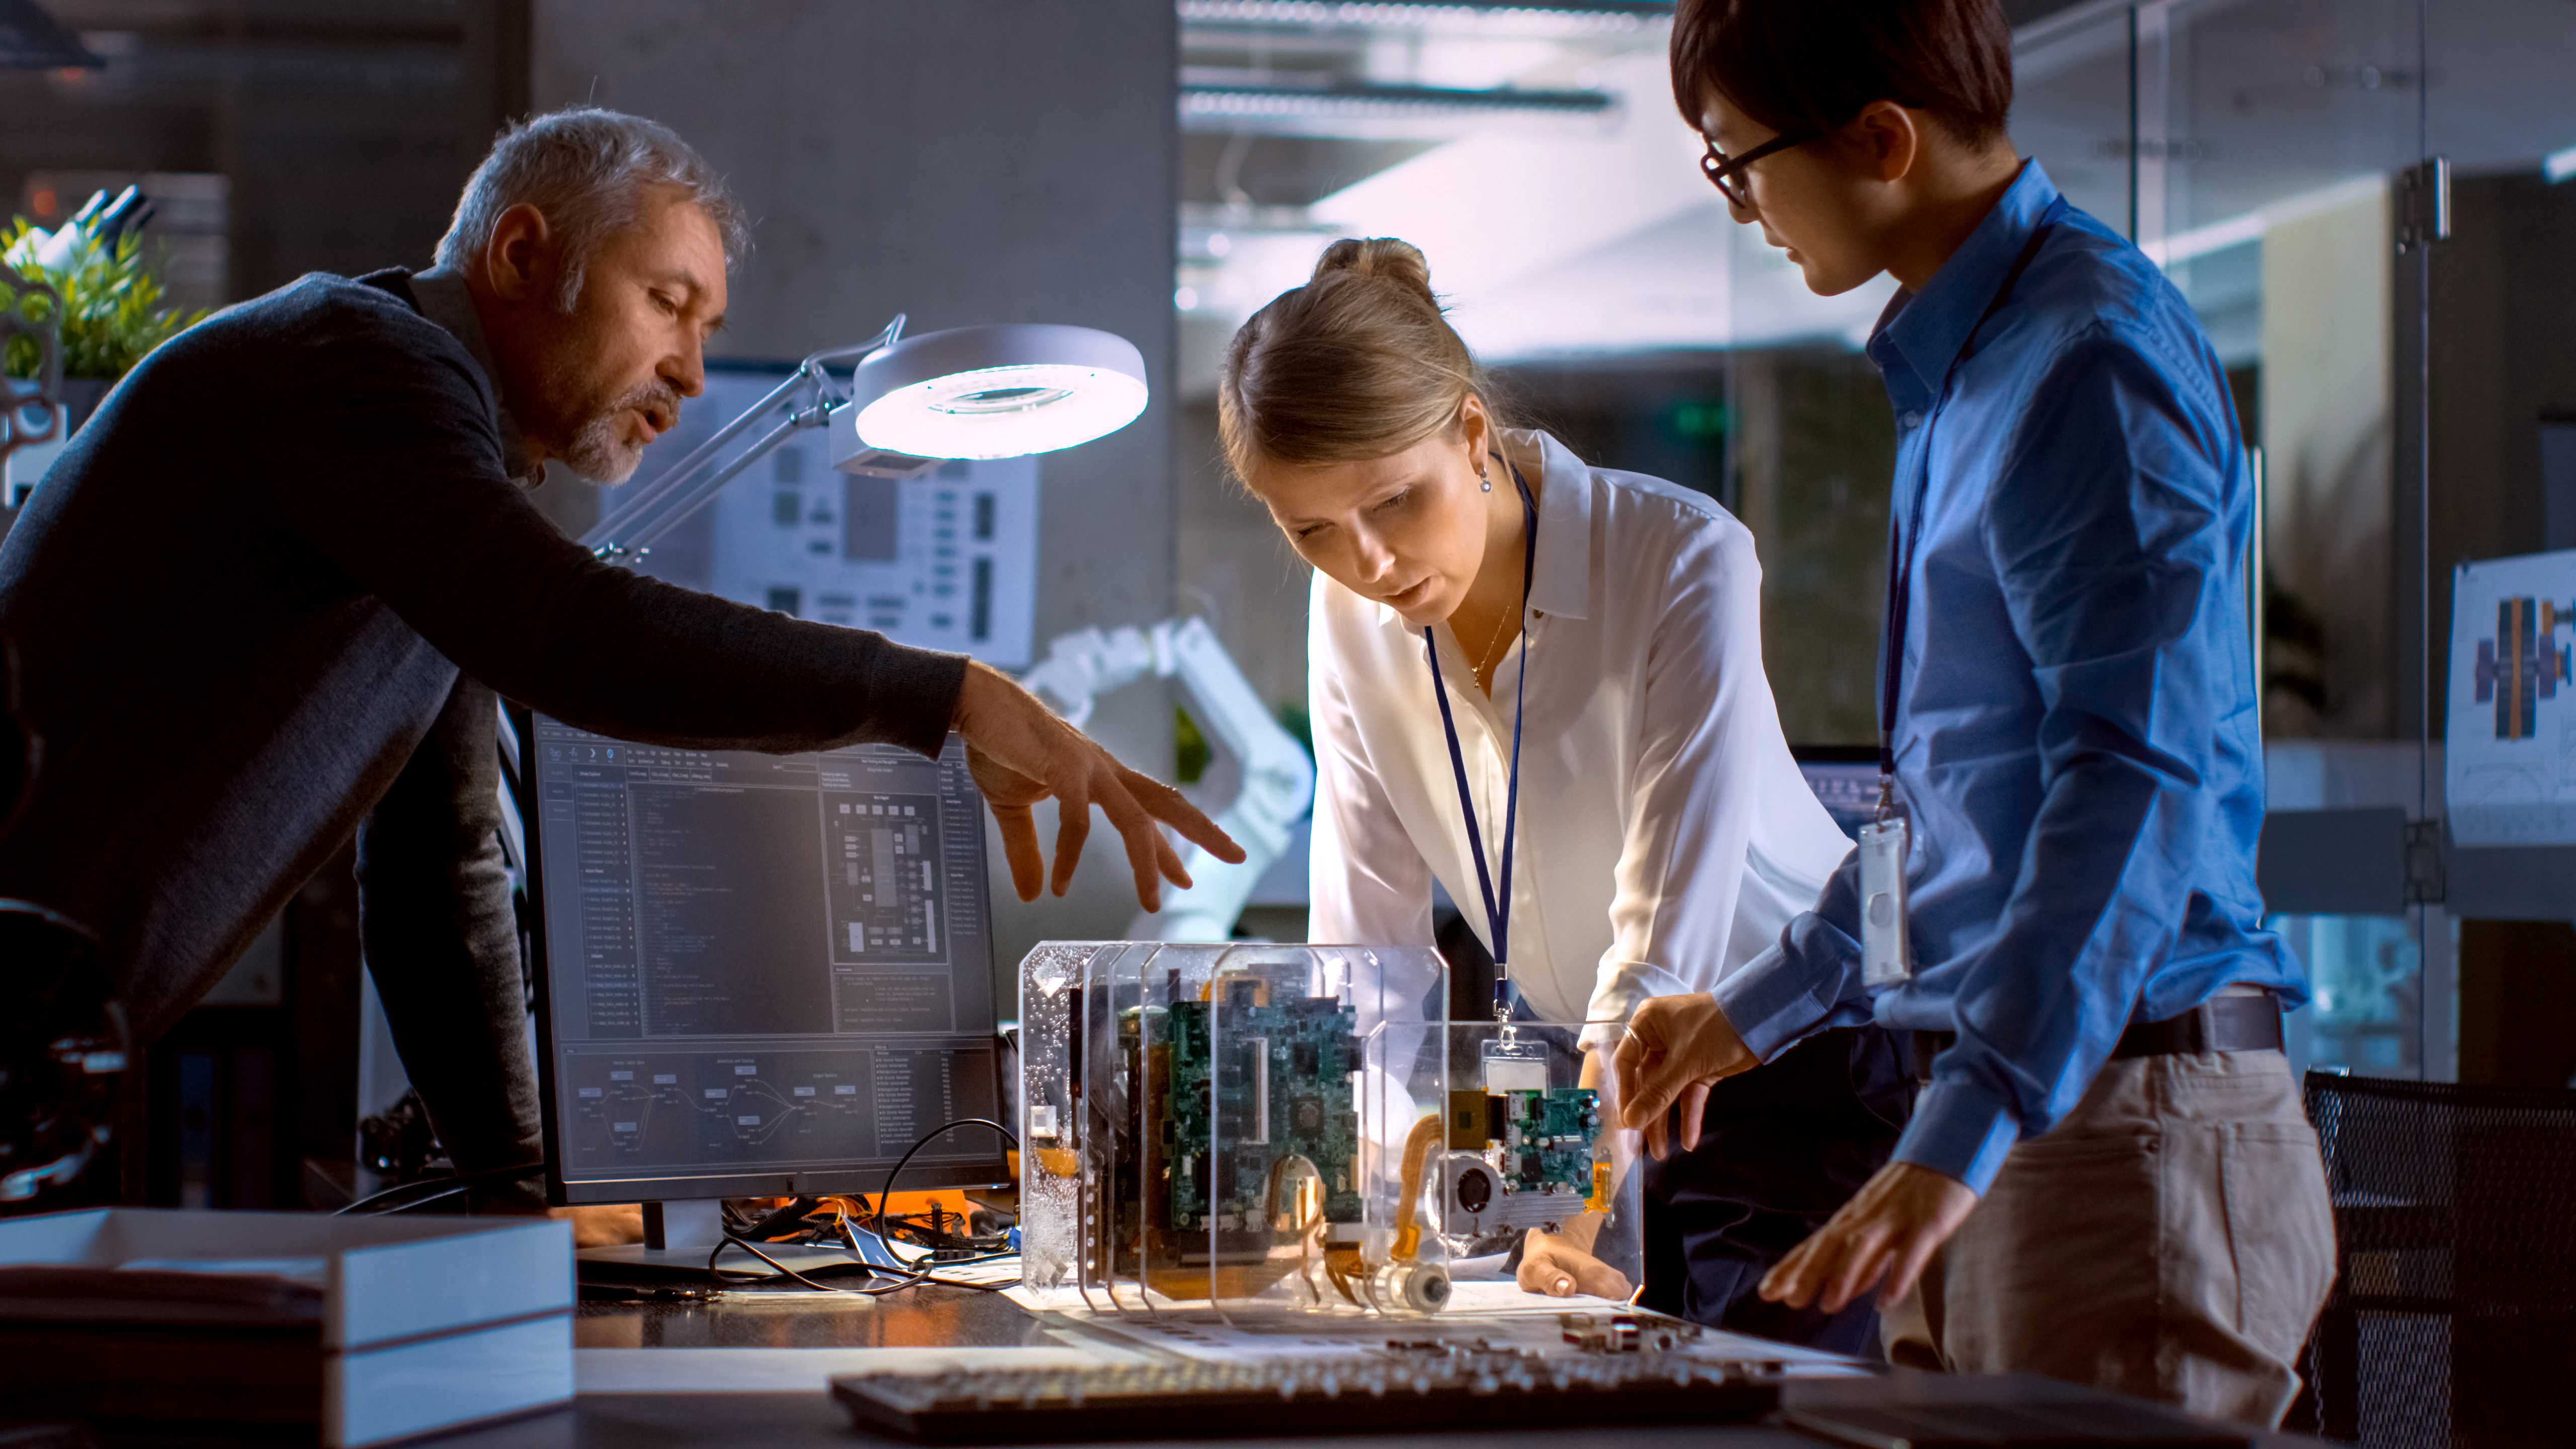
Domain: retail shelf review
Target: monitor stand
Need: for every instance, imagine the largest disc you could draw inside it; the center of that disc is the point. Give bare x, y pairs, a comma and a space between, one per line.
680, 1236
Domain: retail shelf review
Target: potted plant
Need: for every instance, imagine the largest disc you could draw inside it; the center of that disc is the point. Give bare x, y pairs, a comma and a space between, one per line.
111, 303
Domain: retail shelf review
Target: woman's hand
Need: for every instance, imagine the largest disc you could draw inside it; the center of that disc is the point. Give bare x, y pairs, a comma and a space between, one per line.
1021, 754
1677, 1048
1552, 1264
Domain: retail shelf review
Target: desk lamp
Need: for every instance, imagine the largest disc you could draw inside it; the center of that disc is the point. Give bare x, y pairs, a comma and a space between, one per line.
974, 392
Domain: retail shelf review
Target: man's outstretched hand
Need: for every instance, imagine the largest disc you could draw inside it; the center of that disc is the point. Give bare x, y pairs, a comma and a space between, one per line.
1886, 1232
1021, 754
1677, 1047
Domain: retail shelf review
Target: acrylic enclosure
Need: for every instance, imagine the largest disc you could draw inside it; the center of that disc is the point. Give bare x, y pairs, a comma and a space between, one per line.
1284, 1128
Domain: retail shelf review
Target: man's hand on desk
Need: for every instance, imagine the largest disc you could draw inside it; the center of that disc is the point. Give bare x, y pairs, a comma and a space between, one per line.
1887, 1231
1677, 1047
1022, 754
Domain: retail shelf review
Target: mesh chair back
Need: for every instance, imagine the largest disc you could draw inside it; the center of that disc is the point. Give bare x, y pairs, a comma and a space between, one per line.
2453, 1316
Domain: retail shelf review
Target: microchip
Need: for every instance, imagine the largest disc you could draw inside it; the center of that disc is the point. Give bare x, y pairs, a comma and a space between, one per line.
1309, 1058
1306, 1115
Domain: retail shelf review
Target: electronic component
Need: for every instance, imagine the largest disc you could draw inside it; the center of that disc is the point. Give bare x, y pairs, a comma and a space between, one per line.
1521, 1159
1197, 1119
1626, 1332
1281, 1127
1440, 1387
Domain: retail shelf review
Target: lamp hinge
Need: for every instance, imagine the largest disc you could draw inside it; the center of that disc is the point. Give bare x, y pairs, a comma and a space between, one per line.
2424, 204
2426, 884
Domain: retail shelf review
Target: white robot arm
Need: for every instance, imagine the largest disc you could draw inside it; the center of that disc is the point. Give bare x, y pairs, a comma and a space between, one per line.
1276, 779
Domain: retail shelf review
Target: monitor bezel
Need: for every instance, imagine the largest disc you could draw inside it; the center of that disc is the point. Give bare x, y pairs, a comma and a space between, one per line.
563, 1191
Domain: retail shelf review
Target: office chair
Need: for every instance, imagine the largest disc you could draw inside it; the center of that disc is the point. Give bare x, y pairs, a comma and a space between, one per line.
2453, 1315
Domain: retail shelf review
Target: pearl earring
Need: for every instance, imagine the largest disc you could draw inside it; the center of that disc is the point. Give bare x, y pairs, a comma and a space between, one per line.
1487, 482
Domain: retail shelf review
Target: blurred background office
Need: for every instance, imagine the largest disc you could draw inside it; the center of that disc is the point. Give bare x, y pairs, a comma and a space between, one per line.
2372, 203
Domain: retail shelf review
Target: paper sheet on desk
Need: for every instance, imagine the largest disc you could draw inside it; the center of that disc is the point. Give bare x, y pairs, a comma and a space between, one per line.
1499, 1313
797, 1370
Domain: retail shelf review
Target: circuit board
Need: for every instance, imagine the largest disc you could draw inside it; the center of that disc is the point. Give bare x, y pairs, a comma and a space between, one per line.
1547, 1139
1227, 1113
1521, 1159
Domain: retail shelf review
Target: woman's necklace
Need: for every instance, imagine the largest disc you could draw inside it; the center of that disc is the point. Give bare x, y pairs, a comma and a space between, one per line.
1485, 665
1484, 668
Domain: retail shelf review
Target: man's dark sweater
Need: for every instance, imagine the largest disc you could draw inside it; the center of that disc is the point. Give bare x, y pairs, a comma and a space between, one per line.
242, 600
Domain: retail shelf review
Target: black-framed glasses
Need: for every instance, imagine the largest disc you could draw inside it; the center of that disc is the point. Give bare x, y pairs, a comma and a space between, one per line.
1726, 173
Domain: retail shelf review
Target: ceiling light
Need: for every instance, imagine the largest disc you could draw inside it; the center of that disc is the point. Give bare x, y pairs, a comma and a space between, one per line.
1383, 112
1567, 19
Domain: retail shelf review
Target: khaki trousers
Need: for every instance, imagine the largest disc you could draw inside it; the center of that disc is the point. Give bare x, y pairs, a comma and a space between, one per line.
2170, 1238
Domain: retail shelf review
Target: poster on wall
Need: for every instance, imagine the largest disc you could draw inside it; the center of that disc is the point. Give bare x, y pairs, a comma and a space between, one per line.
2510, 771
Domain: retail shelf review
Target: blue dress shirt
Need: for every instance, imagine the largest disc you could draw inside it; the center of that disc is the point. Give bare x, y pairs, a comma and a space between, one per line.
2076, 737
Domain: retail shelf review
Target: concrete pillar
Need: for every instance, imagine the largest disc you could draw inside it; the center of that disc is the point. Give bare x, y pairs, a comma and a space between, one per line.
966, 162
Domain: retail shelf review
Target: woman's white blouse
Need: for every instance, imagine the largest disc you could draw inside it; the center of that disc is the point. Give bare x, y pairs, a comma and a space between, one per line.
1665, 836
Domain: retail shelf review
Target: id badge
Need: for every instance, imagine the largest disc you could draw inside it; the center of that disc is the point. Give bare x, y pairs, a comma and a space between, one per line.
1886, 958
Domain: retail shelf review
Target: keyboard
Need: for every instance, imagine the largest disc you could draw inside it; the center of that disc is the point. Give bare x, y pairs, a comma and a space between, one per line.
1445, 1388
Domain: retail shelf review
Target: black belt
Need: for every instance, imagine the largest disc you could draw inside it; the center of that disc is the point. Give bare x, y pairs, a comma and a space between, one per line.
2220, 1024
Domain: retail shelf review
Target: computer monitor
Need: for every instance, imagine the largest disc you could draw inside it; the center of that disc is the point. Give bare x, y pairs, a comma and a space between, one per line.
1845, 778
757, 975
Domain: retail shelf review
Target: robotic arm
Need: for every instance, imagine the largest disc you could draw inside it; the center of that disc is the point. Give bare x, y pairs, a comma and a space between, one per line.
1276, 779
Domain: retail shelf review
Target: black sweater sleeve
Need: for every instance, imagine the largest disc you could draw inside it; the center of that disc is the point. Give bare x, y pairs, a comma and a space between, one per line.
395, 477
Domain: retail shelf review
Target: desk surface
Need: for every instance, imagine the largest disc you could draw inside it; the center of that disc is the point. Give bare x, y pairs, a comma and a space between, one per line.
930, 1317
936, 1318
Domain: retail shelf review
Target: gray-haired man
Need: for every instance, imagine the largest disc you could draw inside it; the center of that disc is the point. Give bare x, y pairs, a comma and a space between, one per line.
266, 597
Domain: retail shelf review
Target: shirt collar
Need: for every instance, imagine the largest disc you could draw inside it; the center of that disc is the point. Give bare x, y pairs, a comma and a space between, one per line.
1562, 583
444, 300
1925, 330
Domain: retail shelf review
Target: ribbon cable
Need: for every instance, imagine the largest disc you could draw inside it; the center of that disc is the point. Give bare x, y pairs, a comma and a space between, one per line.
1498, 909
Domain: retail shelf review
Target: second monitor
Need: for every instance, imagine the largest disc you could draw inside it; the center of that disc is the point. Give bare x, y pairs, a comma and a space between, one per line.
757, 975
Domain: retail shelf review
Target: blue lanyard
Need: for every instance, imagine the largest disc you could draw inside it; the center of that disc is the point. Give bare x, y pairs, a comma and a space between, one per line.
1900, 547
1498, 909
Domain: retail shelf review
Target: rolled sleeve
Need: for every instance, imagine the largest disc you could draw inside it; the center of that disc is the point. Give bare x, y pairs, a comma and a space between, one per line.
1807, 983
2107, 532
1960, 1130
1705, 716
1367, 882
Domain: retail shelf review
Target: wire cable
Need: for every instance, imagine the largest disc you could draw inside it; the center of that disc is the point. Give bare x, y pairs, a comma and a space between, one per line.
909, 1276
446, 1184
942, 1130
730, 1241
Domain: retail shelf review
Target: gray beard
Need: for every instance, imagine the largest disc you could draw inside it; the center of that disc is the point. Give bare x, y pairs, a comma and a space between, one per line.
601, 450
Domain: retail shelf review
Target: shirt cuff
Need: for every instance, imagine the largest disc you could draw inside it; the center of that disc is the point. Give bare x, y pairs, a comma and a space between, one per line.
912, 696
1772, 1002
1959, 1130
1622, 988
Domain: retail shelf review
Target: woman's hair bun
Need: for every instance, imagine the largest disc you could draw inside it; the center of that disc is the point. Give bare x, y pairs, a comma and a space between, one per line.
1379, 256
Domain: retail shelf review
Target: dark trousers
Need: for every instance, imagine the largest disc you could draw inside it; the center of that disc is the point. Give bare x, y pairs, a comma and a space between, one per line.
1781, 1147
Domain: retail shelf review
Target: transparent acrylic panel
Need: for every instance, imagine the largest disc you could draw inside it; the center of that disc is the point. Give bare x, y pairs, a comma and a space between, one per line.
2270, 136
1203, 1124
1529, 1142
2366, 976
2071, 110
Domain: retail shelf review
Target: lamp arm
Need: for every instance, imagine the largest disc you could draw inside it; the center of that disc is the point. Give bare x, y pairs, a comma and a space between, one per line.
630, 528
619, 534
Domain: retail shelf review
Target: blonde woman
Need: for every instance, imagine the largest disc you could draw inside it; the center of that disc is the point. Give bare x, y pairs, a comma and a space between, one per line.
1540, 684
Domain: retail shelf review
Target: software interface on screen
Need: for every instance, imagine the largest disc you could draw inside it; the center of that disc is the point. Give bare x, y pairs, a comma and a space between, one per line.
761, 963
1848, 788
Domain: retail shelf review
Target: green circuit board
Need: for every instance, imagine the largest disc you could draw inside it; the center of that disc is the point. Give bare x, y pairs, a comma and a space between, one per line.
1277, 1084
1547, 1139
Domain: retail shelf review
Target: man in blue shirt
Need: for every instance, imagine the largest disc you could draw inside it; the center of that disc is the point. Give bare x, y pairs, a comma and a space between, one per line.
2069, 722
